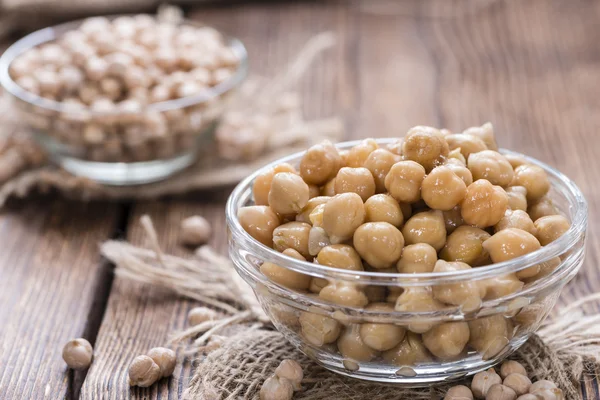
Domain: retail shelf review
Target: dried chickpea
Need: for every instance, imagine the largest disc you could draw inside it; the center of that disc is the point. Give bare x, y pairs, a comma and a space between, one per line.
518, 382
542, 208
383, 208
292, 235
465, 293
355, 180
344, 294
512, 367
143, 372
452, 219
500, 392
534, 179
484, 204
292, 371
319, 329
379, 162
459, 392
284, 276
262, 183
549, 394
340, 256
342, 215
198, 315
317, 240
78, 353
417, 258
528, 396
418, 299
359, 153
329, 188
517, 198
466, 244
381, 337
483, 381
351, 345
276, 388
442, 189
462, 172
288, 194
195, 230
259, 222
541, 385
516, 219
512, 243
426, 227
551, 228
304, 214
378, 243
426, 146
501, 286
484, 132
446, 341
490, 165
404, 180
410, 351
467, 143
320, 163
165, 359
455, 157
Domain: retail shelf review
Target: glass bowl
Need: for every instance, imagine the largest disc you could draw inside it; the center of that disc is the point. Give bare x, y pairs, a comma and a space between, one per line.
120, 147
494, 330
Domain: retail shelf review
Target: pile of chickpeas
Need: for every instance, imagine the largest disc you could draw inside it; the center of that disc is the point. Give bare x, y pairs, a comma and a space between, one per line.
106, 73
434, 201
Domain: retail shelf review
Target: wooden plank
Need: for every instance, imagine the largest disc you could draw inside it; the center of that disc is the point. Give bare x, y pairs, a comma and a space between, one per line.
52, 282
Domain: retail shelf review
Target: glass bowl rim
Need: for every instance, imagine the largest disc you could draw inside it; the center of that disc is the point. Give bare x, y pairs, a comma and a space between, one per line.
48, 34
554, 249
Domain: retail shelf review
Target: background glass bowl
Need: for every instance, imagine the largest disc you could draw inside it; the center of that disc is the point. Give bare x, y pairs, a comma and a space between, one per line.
138, 147
520, 313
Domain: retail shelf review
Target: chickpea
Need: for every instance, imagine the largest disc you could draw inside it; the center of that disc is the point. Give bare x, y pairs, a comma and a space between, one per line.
426, 146
512, 367
406, 210
528, 396
383, 208
483, 381
396, 147
78, 354
292, 371
501, 286
516, 219
262, 183
500, 392
195, 230
259, 222
459, 392
452, 219
316, 216
484, 204
551, 228
518, 382
351, 345
313, 191
357, 156
465, 294
512, 243
446, 341
542, 208
517, 198
317, 284
549, 394
541, 385
484, 132
329, 188
379, 162
419, 299
534, 179
319, 329
340, 256
379, 243
455, 157
410, 351
442, 189
381, 337
490, 165
320, 163
467, 143
165, 359
426, 227
355, 180
489, 335
143, 372
317, 240
342, 215
462, 172
288, 194
404, 180
515, 160
417, 258
198, 315
276, 388
393, 293
344, 294
284, 276
292, 235
304, 214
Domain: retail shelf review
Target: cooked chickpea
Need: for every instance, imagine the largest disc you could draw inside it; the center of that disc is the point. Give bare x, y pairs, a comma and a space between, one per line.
404, 180
462, 172
359, 153
329, 188
452, 219
316, 216
455, 157
515, 160
465, 294
465, 244
501, 286
314, 191
381, 337
517, 197
378, 243
417, 258
459, 392
351, 345
379, 162
512, 243
426, 227
320, 163
262, 183
483, 381
288, 194
319, 329
396, 147
410, 351
426, 146
518, 382
342, 215
355, 180
442, 189
418, 299
484, 204
446, 341
489, 335
512, 367
340, 256
304, 214
259, 222
484, 132
516, 219
467, 143
490, 165
551, 228
284, 276
317, 240
501, 392
344, 294
542, 208
534, 179
383, 208
292, 235
292, 371
317, 284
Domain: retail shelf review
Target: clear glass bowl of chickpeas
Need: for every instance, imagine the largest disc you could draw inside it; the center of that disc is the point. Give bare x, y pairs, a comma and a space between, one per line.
126, 99
413, 260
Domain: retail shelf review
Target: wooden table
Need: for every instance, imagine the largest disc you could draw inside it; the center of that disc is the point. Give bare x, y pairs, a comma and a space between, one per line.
530, 67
